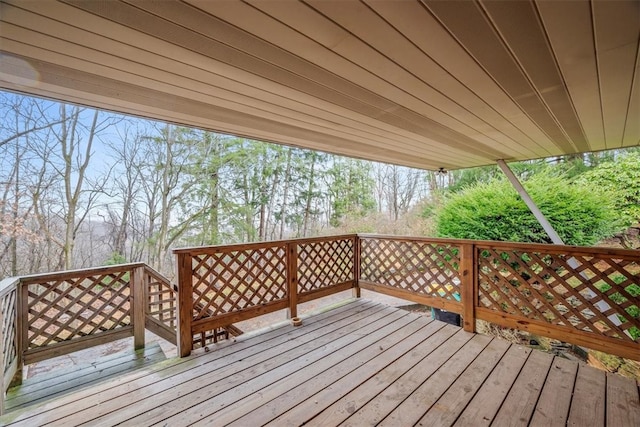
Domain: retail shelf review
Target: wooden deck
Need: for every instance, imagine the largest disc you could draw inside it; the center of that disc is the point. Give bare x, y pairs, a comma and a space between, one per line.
358, 364
93, 371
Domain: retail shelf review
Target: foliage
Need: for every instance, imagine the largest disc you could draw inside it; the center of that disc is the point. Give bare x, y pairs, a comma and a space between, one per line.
351, 189
618, 298
570, 167
620, 177
494, 211
626, 367
464, 178
115, 259
79, 186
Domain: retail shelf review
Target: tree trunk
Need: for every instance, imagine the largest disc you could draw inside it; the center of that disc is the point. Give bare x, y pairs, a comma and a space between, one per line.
309, 196
285, 195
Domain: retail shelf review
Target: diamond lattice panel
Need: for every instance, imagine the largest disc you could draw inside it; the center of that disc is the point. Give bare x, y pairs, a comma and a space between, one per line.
73, 308
325, 263
592, 294
162, 301
231, 281
8, 307
416, 266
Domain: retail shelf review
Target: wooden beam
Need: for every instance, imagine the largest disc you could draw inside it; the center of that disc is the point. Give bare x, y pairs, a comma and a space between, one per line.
138, 284
323, 292
185, 304
59, 349
210, 323
356, 267
441, 303
292, 279
469, 296
587, 339
160, 329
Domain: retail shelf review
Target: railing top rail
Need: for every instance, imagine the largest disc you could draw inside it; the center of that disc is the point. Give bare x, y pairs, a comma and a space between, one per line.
256, 245
542, 247
7, 284
67, 274
563, 249
415, 238
154, 273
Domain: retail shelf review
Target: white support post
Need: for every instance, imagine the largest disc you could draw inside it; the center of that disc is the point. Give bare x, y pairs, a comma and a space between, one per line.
546, 225
551, 232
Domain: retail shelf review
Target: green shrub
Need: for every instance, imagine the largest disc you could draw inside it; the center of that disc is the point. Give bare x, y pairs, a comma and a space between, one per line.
621, 179
495, 211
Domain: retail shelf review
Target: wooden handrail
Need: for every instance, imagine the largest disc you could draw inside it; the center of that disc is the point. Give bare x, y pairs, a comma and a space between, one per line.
10, 355
564, 249
592, 300
589, 301
45, 315
221, 285
204, 250
458, 275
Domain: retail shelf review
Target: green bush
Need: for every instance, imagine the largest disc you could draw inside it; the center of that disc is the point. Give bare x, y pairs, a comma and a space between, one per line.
494, 211
619, 177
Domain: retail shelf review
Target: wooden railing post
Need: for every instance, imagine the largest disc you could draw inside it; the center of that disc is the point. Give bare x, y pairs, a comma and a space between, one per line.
22, 333
138, 295
185, 304
468, 277
292, 279
355, 291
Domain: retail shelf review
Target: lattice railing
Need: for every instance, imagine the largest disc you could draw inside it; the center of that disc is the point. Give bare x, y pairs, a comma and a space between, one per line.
9, 352
222, 285
421, 267
324, 263
590, 292
161, 305
80, 304
8, 305
587, 296
232, 280
161, 299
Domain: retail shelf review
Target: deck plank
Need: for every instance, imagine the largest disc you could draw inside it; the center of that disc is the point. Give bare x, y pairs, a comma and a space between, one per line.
35, 392
378, 408
359, 364
430, 338
447, 409
589, 394
555, 400
337, 393
219, 384
518, 407
242, 348
350, 398
487, 401
324, 372
409, 411
623, 402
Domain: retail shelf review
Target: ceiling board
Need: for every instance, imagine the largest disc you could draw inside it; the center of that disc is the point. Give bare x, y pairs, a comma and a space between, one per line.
421, 83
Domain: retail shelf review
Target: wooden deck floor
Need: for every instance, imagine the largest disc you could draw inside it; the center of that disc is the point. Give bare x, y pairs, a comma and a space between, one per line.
60, 382
358, 364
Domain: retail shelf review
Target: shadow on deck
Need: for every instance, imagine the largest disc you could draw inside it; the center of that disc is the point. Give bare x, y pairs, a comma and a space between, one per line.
359, 363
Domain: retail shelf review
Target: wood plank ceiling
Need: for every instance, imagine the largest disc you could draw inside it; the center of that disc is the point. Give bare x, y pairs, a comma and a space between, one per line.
428, 84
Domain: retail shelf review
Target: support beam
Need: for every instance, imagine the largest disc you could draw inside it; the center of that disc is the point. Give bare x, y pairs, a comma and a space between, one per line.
546, 225
551, 232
